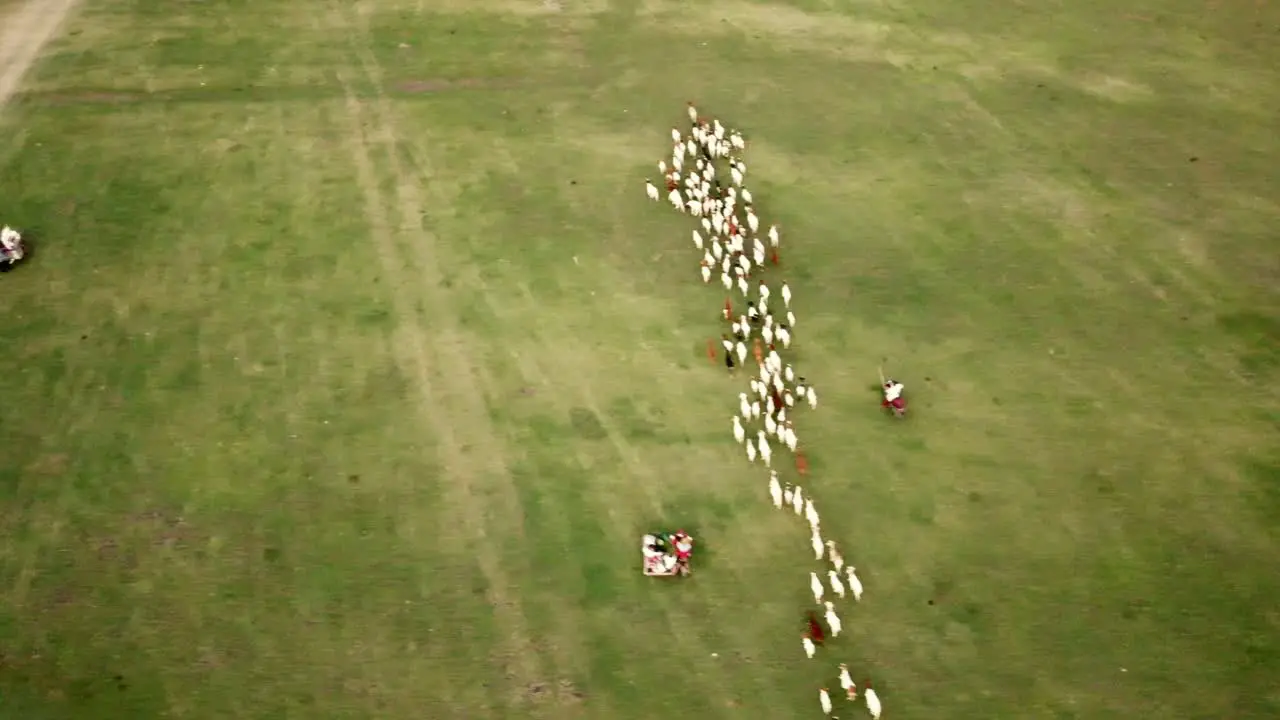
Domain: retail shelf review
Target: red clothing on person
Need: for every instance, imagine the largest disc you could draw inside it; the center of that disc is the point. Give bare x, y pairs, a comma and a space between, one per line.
683, 546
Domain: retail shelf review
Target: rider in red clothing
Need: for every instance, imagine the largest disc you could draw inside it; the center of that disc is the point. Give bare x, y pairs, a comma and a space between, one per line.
893, 398
683, 545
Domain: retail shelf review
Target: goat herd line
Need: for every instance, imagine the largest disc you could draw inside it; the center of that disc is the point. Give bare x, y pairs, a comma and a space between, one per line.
732, 244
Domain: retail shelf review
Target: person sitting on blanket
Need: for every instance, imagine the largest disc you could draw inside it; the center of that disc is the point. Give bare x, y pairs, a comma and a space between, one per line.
652, 550
683, 545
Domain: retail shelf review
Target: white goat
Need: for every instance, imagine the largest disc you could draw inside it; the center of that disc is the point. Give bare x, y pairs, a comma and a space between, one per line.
784, 336
873, 701
855, 585
846, 682
837, 587
836, 558
833, 619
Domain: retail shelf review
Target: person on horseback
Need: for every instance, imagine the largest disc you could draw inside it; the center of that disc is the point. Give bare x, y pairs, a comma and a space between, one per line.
893, 397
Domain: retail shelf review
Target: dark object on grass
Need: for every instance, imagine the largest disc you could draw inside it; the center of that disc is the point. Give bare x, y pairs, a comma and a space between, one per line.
816, 633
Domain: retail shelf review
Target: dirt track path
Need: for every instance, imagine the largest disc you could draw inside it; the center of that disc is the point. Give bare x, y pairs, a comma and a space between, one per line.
24, 30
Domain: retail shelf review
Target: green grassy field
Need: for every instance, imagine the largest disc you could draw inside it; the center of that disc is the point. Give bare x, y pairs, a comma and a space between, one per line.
351, 360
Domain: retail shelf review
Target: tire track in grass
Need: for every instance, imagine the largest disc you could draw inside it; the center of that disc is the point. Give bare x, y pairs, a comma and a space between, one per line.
719, 673
408, 343
471, 451
585, 641
692, 644
532, 368
23, 34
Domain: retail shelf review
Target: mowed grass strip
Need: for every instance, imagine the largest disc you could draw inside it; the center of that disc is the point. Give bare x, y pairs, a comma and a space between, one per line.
423, 363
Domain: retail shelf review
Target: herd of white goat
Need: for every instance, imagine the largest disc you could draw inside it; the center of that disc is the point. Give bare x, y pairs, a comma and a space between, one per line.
731, 242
